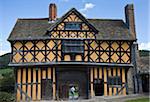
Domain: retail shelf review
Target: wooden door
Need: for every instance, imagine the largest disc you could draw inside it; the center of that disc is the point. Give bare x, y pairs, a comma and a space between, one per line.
46, 89
64, 91
99, 87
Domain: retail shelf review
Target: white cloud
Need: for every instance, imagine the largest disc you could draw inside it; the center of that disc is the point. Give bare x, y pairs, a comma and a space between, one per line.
87, 6
3, 52
144, 46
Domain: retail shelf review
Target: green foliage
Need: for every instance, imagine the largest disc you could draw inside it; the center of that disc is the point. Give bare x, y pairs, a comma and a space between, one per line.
7, 84
7, 97
6, 70
144, 53
4, 60
7, 80
139, 100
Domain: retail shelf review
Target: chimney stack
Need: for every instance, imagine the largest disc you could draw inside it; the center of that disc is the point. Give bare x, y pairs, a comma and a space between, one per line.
129, 16
52, 12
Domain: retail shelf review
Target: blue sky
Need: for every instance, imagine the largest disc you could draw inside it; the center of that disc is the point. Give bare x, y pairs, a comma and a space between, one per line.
10, 10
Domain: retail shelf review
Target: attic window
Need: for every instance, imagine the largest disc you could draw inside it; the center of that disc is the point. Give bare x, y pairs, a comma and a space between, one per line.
72, 26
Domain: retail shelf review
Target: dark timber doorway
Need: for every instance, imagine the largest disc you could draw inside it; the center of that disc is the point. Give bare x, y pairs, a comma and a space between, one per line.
99, 87
46, 89
145, 82
68, 77
63, 91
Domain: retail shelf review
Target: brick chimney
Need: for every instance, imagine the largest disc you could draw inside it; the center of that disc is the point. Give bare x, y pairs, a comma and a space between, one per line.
52, 12
129, 16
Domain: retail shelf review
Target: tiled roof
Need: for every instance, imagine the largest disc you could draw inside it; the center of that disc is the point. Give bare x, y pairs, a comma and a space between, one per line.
143, 64
36, 29
29, 29
111, 29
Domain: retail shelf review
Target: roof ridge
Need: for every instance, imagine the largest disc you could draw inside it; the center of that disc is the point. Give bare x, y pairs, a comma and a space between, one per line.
32, 18
87, 19
78, 14
105, 19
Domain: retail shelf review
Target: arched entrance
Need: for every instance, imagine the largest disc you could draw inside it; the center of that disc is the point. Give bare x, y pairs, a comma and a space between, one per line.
72, 77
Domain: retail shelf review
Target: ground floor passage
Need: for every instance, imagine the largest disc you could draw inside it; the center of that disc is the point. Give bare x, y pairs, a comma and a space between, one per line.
145, 82
49, 83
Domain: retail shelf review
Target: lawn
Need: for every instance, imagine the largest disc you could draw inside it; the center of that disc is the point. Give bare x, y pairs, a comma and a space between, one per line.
139, 100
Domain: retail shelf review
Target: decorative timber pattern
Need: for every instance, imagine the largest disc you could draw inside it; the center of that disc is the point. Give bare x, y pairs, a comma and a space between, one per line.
84, 32
70, 39
29, 83
51, 51
36, 51
103, 73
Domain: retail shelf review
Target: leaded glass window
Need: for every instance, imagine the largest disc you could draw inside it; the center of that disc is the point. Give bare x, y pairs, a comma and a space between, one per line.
114, 80
72, 26
73, 46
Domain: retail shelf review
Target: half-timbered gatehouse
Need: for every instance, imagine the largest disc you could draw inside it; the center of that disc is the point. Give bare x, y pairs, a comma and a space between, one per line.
52, 55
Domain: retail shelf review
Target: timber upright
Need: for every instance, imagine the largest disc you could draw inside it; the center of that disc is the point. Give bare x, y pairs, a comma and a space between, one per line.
54, 58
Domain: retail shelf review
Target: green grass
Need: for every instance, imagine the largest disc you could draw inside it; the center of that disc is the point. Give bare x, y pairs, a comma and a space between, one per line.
139, 100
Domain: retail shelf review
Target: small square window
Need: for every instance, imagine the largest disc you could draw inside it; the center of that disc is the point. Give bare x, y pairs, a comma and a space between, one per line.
114, 80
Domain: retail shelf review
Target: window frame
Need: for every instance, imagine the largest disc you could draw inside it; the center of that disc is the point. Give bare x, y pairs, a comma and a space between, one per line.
114, 81
75, 46
72, 28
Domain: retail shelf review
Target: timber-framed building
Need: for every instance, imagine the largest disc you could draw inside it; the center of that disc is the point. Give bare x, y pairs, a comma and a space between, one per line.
51, 55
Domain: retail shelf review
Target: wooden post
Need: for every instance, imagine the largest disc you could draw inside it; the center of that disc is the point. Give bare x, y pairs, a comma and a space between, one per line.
110, 88
39, 84
49, 73
114, 73
91, 78
34, 85
54, 85
43, 74
105, 82
29, 81
18, 82
95, 73
123, 81
100, 73
24, 86
119, 76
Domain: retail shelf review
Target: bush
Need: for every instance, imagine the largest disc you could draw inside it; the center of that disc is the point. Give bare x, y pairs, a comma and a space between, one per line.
6, 70
7, 83
7, 97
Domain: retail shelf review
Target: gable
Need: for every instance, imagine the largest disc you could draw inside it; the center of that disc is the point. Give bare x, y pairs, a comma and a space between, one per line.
79, 27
